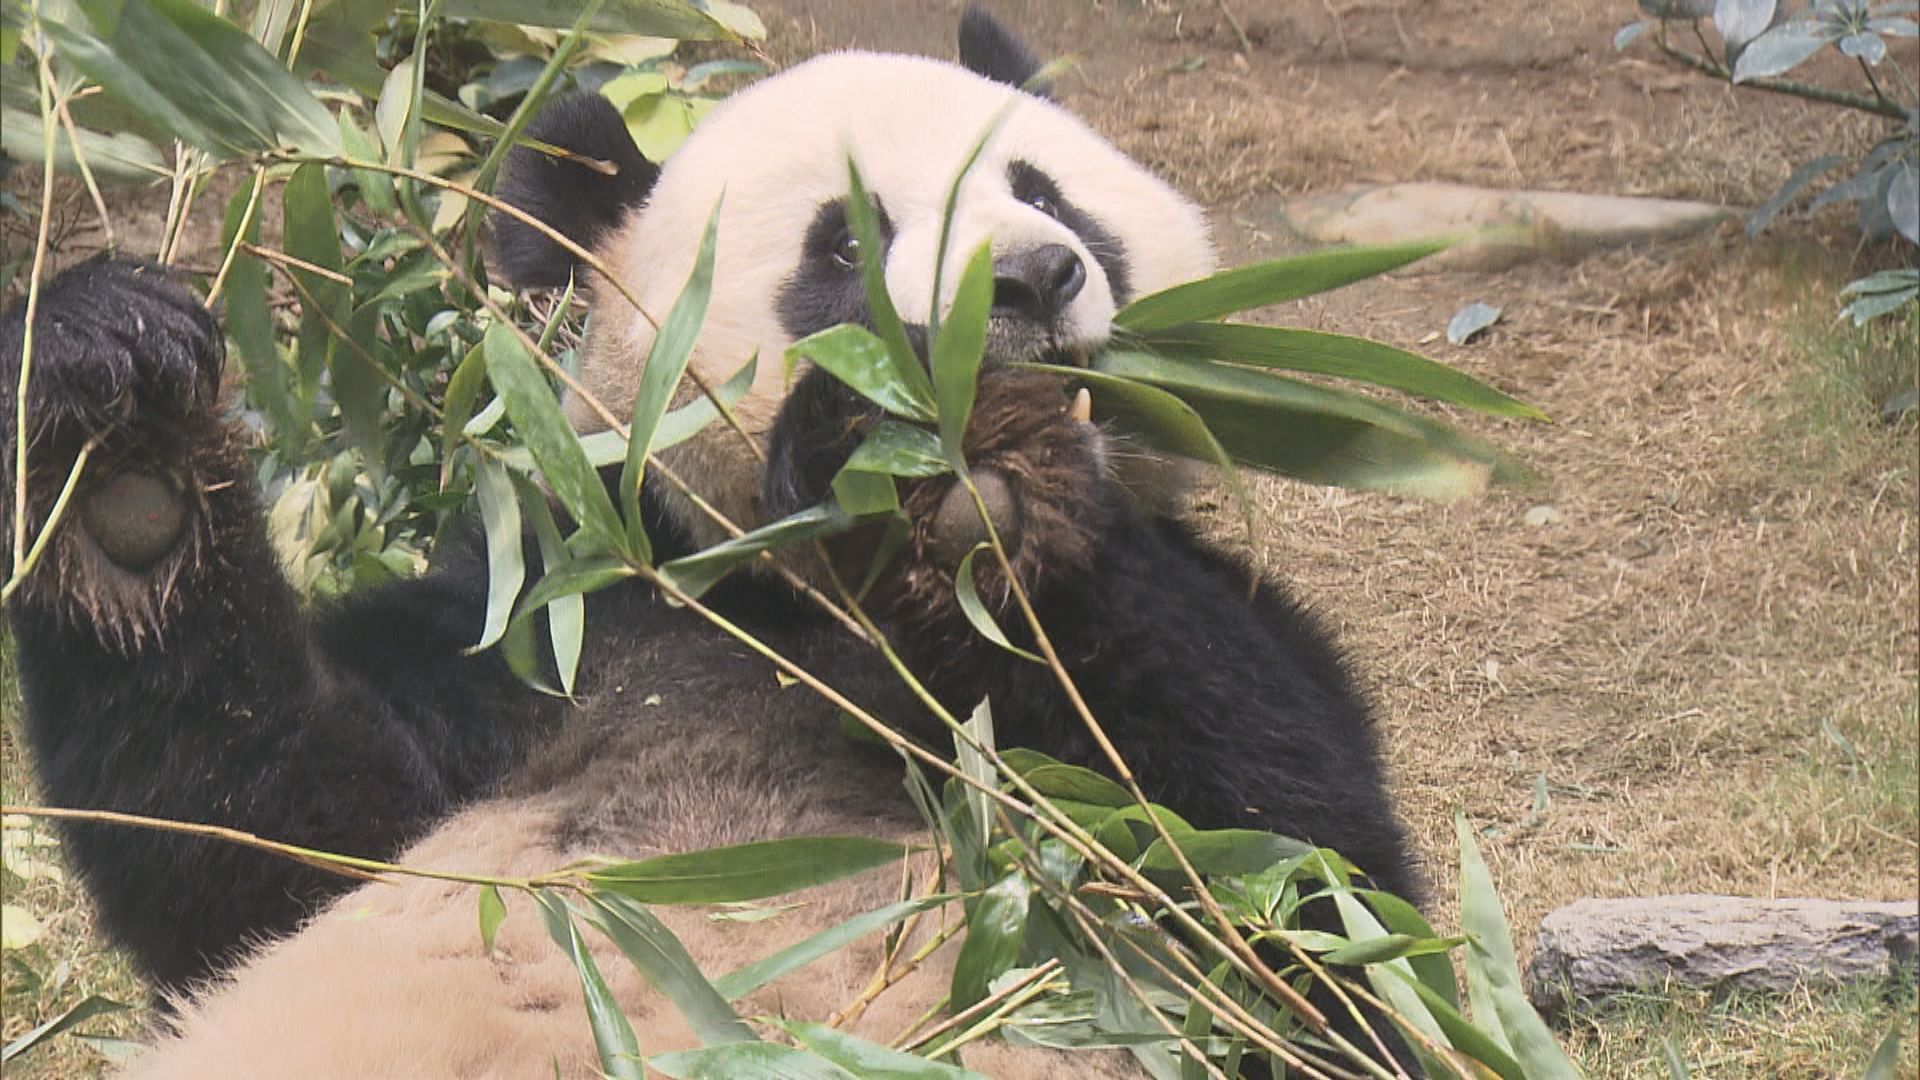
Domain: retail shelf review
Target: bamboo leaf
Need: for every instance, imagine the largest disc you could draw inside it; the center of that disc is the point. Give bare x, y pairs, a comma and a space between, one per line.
873, 274
868, 1060
506, 561
612, 1035
666, 363
747, 1061
83, 1010
492, 911
864, 362
1319, 434
743, 981
745, 871
196, 76
1362, 928
896, 449
1319, 353
114, 158
664, 961
1224, 851
697, 573
1245, 288
976, 611
957, 352
1163, 420
312, 235
996, 926
250, 323
677, 19
1493, 975
538, 422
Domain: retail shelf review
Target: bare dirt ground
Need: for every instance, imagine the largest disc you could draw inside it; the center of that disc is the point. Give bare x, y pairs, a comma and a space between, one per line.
1708, 658
1710, 655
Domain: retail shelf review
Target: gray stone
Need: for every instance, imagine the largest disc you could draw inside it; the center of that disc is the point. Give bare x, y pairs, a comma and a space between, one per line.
1594, 948
1521, 225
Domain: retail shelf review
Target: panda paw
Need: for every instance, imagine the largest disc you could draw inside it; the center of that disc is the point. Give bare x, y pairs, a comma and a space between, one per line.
116, 344
1042, 473
127, 361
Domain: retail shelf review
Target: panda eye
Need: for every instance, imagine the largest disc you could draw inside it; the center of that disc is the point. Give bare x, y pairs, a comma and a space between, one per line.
1044, 203
846, 250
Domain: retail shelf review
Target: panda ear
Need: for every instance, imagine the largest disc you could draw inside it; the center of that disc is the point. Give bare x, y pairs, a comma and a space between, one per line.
581, 203
989, 49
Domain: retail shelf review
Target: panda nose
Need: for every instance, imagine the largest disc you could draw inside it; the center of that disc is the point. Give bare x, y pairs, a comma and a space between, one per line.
1037, 282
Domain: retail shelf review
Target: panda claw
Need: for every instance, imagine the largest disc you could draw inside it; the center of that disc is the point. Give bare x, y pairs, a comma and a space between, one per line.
1081, 411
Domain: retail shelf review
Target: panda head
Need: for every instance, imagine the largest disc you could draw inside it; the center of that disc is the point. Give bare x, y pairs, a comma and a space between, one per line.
1076, 227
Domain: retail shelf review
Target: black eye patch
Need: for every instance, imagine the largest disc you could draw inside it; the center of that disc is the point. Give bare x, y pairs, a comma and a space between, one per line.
825, 288
1031, 185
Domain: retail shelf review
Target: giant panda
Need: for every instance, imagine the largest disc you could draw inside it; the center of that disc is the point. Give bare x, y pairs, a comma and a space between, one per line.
169, 670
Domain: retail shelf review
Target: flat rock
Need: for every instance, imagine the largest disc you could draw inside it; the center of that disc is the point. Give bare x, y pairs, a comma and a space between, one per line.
1594, 948
1526, 224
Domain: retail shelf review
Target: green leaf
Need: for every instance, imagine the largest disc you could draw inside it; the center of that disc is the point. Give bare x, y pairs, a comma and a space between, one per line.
666, 363
1056, 779
697, 573
1224, 851
745, 871
250, 324
312, 236
1493, 975
957, 352
609, 447
1245, 288
865, 493
1464, 1036
1886, 1058
1338, 355
1390, 947
463, 390
644, 18
664, 961
117, 158
538, 422
1399, 993
573, 577
868, 1060
1162, 419
856, 357
492, 911
747, 1061
996, 925
563, 580
743, 981
612, 1035
1322, 435
83, 1010
976, 611
873, 276
506, 560
896, 449
196, 76
1434, 971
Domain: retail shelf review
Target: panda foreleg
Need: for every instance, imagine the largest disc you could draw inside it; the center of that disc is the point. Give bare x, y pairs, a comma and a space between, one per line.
168, 669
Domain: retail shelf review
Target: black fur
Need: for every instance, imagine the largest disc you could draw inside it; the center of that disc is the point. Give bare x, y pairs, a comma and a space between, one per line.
578, 201
989, 49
